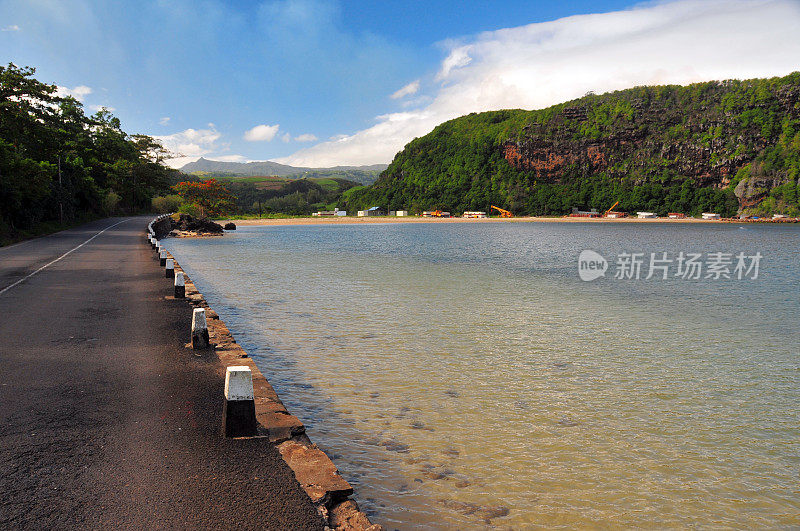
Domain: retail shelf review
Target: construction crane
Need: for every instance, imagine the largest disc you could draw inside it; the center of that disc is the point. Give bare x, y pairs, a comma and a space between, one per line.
610, 209
503, 213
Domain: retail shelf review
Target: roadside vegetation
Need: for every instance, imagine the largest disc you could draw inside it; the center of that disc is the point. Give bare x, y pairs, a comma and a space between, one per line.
60, 167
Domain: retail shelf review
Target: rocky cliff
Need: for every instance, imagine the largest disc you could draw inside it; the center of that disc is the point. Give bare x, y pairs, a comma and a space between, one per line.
730, 146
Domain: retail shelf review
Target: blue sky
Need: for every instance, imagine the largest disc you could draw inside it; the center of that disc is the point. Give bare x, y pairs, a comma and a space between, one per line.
323, 82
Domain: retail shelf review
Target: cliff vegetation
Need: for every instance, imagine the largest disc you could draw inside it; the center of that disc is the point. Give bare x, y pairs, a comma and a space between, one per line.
728, 147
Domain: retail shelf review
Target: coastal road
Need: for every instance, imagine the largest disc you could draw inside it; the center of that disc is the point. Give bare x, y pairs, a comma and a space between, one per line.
106, 419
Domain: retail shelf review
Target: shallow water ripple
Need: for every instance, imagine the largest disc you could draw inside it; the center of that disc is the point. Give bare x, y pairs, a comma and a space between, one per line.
463, 377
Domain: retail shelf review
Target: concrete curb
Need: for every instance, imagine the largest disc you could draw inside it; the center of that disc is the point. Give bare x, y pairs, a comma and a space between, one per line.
313, 469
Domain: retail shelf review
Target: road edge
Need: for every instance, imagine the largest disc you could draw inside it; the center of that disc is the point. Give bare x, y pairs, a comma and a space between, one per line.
316, 474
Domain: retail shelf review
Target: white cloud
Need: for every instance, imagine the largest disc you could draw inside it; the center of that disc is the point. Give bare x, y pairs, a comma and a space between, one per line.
79, 92
457, 58
307, 137
164, 120
190, 144
541, 64
97, 108
261, 133
411, 88
286, 138
230, 158
12, 27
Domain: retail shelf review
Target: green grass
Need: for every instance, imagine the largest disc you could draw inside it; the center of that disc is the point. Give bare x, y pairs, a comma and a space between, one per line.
249, 178
329, 185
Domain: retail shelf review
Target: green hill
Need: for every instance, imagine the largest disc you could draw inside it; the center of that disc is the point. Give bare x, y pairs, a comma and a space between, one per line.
728, 147
278, 195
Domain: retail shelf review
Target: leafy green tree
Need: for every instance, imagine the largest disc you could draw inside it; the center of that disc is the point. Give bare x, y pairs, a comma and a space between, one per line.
59, 165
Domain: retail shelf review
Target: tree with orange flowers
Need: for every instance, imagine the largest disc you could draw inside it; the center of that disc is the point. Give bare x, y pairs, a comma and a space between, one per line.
211, 196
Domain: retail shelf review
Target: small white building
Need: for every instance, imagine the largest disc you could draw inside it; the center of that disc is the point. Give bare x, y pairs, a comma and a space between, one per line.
401, 213
780, 216
327, 213
710, 215
374, 211
646, 215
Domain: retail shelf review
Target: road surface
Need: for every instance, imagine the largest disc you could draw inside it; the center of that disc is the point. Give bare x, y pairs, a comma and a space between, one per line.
106, 419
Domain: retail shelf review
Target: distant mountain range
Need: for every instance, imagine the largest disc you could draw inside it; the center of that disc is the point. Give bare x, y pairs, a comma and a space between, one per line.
269, 168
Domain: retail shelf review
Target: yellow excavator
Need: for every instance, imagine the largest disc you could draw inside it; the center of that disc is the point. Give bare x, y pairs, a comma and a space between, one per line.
610, 209
503, 213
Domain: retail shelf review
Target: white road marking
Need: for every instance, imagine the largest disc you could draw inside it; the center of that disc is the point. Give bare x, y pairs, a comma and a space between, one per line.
23, 279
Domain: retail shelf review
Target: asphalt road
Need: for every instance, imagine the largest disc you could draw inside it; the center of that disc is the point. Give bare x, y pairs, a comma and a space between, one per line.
106, 419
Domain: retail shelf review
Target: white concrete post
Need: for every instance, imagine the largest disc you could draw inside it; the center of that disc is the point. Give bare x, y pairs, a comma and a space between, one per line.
162, 258
239, 411
180, 286
200, 337
169, 268
238, 383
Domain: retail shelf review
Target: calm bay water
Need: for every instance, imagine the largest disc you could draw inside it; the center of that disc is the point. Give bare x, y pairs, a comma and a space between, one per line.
463, 376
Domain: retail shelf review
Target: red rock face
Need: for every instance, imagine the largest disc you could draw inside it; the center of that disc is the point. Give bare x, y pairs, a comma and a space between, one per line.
540, 161
548, 163
549, 159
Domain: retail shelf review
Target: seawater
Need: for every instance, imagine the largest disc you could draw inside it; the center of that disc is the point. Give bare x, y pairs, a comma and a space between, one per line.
463, 376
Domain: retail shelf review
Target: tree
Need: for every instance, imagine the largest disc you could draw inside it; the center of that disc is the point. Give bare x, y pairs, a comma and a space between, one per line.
211, 196
58, 164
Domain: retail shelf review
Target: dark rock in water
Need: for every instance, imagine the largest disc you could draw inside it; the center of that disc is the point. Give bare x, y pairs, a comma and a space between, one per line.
484, 512
452, 393
435, 474
568, 422
230, 226
394, 446
193, 224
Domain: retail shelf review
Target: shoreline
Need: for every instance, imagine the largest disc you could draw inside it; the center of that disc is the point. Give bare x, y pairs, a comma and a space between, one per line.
314, 471
349, 220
